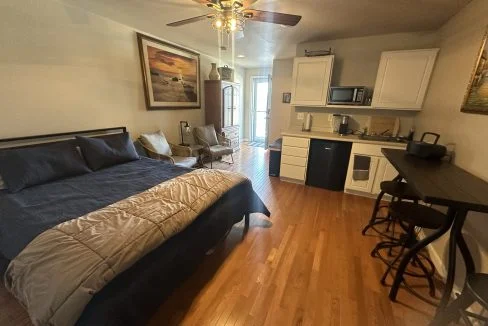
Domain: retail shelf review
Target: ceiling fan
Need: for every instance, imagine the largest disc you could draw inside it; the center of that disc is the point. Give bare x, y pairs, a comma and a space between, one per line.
230, 15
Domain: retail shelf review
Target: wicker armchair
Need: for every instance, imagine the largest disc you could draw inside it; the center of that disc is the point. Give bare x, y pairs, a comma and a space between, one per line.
165, 151
214, 145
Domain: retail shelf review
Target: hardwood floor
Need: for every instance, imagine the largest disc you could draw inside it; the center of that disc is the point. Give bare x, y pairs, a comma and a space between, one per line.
306, 265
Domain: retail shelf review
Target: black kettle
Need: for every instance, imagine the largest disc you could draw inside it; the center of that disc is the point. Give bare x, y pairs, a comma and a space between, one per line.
427, 150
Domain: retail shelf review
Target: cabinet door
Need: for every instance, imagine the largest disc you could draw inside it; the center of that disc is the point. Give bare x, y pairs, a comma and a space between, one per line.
403, 77
385, 172
362, 172
311, 79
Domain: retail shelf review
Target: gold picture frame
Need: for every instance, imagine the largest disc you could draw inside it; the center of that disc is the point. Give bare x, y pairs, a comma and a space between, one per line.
171, 75
476, 97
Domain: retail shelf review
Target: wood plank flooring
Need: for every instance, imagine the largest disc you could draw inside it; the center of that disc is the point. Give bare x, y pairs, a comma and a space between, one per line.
306, 265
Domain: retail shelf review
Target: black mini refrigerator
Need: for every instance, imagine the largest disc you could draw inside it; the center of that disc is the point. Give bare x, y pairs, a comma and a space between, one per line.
327, 164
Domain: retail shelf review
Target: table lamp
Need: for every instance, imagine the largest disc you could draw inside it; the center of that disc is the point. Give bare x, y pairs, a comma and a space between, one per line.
185, 128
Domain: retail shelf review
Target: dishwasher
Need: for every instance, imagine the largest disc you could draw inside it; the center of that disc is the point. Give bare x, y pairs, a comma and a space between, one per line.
327, 164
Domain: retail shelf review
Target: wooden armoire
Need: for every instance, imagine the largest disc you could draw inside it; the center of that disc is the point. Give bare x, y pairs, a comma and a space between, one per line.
222, 108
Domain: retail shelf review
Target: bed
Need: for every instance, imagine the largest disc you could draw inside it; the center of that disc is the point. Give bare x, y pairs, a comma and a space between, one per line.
133, 295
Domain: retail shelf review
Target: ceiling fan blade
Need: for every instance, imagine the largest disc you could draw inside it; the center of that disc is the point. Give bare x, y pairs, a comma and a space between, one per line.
209, 3
220, 5
190, 20
272, 17
248, 3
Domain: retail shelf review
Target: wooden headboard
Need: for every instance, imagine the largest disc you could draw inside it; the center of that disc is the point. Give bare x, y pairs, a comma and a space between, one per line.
31, 141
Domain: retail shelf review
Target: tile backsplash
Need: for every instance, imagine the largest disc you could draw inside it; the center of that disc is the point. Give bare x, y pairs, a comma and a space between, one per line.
358, 118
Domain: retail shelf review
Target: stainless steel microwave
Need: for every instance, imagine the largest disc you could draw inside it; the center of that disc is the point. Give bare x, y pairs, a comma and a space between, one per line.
347, 95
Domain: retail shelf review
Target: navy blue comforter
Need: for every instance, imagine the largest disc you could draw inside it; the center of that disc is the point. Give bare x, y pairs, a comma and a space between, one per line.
26, 214
132, 296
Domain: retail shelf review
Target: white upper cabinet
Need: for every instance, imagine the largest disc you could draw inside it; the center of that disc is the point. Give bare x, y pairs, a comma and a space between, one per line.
403, 78
311, 79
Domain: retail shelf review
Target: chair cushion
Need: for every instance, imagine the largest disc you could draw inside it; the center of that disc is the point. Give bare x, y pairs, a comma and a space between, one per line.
185, 161
478, 284
219, 150
157, 143
417, 214
107, 151
208, 134
399, 190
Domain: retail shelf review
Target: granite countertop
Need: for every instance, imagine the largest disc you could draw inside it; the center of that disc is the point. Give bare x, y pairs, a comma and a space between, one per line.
334, 136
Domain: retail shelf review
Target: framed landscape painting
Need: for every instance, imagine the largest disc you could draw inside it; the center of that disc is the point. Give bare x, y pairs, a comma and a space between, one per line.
476, 98
171, 75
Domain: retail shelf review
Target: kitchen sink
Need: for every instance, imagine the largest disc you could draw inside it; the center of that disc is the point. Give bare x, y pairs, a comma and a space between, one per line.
383, 138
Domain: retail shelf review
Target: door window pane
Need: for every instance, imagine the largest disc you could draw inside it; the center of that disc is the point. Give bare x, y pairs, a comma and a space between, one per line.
260, 125
260, 108
261, 96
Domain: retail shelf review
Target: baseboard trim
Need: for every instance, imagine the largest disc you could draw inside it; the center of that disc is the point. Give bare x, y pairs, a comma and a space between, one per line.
285, 179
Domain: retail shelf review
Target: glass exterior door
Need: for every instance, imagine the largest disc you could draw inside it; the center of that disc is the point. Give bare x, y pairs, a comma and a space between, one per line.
260, 91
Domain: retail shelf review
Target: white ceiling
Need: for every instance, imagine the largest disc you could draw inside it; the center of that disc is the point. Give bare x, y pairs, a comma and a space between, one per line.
321, 20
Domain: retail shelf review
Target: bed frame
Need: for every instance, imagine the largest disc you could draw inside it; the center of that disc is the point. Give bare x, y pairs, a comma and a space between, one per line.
36, 140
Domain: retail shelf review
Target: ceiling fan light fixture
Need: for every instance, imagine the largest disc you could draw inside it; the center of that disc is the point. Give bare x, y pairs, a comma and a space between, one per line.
233, 24
217, 23
230, 21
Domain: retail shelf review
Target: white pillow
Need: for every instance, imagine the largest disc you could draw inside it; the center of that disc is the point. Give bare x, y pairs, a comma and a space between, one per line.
2, 184
157, 143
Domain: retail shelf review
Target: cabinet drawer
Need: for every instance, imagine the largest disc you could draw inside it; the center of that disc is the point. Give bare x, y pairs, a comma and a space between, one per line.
294, 160
230, 133
293, 172
296, 142
294, 151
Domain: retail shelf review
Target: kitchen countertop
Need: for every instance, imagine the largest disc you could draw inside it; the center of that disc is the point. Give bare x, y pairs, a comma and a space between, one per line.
334, 136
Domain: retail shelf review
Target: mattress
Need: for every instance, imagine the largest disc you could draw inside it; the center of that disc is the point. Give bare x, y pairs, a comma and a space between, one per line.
132, 296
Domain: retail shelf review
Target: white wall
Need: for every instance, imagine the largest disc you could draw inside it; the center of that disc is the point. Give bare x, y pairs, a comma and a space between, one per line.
280, 112
63, 69
460, 40
247, 112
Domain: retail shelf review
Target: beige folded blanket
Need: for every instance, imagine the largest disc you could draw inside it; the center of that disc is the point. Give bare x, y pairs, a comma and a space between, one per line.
58, 273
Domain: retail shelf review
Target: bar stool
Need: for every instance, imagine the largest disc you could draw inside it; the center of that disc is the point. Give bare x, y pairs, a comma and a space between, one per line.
475, 290
398, 190
411, 216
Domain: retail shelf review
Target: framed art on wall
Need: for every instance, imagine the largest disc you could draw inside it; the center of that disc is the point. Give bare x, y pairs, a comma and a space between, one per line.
171, 75
286, 98
476, 98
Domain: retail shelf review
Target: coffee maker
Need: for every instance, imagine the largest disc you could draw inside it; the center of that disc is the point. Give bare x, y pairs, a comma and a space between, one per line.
344, 126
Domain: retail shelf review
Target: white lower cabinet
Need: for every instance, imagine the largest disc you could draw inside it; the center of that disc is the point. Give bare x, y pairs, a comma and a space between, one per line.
362, 172
294, 172
385, 172
294, 159
367, 169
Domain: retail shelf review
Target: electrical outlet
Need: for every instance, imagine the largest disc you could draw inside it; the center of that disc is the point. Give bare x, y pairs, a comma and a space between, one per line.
300, 116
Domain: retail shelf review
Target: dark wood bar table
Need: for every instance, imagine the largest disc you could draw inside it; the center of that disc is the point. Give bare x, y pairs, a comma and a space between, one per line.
441, 183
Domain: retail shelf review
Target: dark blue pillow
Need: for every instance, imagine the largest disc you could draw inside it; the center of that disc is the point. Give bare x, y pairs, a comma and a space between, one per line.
25, 167
112, 150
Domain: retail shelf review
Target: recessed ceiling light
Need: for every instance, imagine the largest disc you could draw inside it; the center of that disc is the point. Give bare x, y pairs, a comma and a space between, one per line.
241, 56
